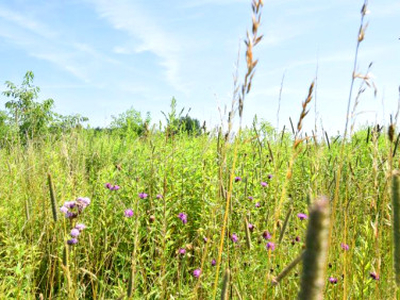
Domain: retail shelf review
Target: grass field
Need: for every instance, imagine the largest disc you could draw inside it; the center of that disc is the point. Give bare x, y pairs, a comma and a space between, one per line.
251, 214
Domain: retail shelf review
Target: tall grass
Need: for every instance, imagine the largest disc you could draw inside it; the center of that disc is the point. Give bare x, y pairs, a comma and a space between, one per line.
201, 217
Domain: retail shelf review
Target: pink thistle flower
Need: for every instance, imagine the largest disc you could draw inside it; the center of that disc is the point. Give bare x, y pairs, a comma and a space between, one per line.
266, 235
251, 227
80, 226
72, 241
302, 216
128, 213
143, 195
333, 280
344, 246
270, 246
183, 217
74, 233
374, 275
197, 273
234, 238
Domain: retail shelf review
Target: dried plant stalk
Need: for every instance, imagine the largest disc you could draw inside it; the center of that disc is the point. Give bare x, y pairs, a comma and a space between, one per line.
314, 259
130, 283
288, 268
304, 111
52, 197
285, 224
225, 285
247, 231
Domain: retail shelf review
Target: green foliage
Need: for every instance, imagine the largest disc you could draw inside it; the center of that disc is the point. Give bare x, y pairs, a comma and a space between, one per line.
177, 123
29, 118
187, 173
189, 125
130, 122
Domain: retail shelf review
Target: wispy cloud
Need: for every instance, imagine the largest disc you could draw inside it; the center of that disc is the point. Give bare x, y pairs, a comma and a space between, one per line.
41, 42
26, 22
143, 27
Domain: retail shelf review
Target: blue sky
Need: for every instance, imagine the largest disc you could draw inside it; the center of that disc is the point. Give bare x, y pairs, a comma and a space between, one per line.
99, 58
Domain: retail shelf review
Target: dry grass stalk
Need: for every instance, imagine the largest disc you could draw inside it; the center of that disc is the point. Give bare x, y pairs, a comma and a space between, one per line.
130, 283
225, 285
247, 231
315, 256
251, 41
304, 111
52, 197
288, 268
285, 224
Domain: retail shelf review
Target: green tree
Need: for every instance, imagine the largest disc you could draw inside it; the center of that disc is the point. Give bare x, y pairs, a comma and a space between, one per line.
130, 122
177, 123
30, 117
189, 125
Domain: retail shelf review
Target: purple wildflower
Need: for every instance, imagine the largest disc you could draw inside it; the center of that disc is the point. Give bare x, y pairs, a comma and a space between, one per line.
159, 196
238, 178
269, 176
264, 184
251, 227
108, 185
234, 238
205, 239
80, 226
270, 246
115, 188
143, 195
374, 275
297, 239
72, 241
196, 273
74, 233
344, 246
333, 280
266, 235
63, 209
69, 204
128, 213
250, 198
302, 216
258, 205
71, 215
182, 251
83, 201
183, 217
213, 262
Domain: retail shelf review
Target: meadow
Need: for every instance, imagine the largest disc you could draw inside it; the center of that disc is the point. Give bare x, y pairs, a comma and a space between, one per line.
163, 212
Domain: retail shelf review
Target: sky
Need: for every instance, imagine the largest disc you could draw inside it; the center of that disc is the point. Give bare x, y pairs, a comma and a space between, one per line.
99, 58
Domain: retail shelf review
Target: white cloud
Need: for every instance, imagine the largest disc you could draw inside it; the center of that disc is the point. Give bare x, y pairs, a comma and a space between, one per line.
141, 25
27, 23
43, 43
